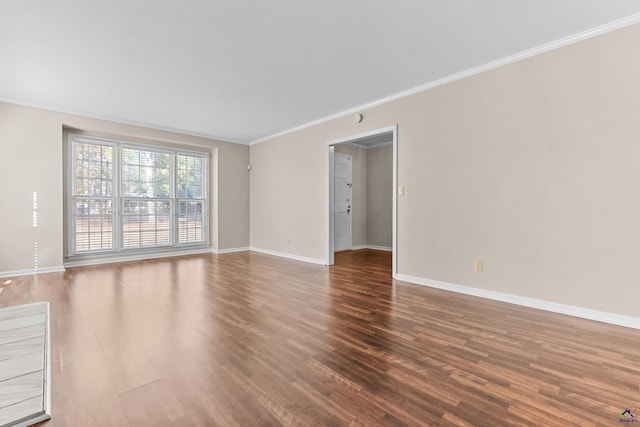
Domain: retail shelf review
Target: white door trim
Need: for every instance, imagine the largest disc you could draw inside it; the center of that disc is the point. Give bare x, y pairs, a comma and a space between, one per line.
330, 193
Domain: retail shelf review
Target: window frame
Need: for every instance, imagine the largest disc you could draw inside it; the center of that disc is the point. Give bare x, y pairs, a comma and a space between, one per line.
119, 198
71, 202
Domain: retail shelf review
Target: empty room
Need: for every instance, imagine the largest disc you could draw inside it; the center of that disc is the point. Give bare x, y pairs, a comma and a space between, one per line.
321, 213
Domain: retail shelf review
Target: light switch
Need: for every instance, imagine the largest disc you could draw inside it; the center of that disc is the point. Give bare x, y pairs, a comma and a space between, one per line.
401, 191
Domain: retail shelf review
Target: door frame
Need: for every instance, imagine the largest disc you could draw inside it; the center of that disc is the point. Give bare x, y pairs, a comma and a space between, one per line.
330, 187
350, 178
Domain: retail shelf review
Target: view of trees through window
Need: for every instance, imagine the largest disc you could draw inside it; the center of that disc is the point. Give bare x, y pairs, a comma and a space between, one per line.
157, 197
94, 201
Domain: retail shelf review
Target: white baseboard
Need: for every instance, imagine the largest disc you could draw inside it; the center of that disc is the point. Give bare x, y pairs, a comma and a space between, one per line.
380, 248
136, 257
229, 250
377, 248
585, 313
290, 256
31, 271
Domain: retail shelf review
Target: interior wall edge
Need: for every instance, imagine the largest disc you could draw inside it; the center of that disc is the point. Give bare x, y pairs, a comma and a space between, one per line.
374, 247
289, 256
230, 250
32, 271
120, 121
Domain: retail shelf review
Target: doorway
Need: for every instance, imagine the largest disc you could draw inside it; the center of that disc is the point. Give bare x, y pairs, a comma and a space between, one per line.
344, 206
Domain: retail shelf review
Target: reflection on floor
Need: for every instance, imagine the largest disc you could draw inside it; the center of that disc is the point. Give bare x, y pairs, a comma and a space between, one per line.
248, 339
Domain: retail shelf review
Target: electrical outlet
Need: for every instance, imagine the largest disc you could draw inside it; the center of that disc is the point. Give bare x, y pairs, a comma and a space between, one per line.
477, 265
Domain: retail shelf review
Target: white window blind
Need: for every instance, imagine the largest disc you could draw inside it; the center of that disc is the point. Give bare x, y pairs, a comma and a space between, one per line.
146, 194
128, 197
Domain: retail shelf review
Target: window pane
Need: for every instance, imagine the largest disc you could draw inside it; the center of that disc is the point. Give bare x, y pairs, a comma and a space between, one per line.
146, 173
94, 169
191, 221
94, 224
190, 177
146, 223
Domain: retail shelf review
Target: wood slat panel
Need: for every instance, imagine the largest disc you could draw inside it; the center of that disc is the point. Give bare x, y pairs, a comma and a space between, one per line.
20, 334
23, 364
22, 322
16, 390
30, 407
22, 311
22, 347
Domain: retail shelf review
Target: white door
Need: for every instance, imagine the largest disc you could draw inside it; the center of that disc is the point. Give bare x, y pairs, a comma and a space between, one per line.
342, 202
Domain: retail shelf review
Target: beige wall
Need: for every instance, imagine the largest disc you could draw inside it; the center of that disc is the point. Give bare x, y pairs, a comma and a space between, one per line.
31, 159
358, 193
532, 167
380, 196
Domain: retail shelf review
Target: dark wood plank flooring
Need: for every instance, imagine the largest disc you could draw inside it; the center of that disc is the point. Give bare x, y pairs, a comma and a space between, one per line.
247, 339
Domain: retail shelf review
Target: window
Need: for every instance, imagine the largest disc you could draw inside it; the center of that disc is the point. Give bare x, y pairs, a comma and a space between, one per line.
191, 198
129, 197
146, 198
93, 199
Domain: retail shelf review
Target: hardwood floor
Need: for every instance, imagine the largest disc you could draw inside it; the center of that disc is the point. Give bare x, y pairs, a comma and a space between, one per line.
247, 339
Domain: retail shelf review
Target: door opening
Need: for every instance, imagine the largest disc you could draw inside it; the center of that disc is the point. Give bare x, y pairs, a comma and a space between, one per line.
363, 200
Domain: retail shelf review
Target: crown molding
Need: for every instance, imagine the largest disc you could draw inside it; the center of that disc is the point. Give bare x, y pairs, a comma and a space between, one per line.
528, 53
123, 122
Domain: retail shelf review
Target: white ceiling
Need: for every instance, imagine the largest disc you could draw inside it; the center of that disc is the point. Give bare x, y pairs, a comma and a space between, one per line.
241, 70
